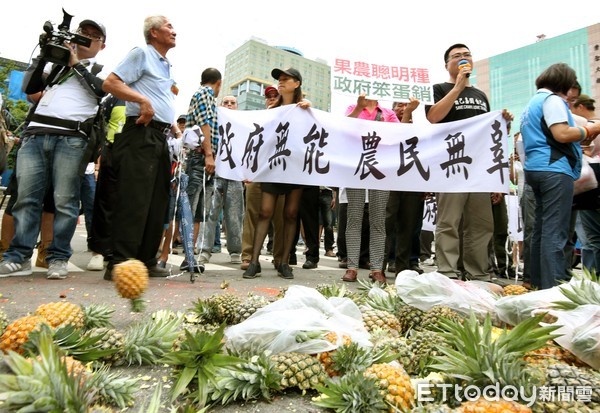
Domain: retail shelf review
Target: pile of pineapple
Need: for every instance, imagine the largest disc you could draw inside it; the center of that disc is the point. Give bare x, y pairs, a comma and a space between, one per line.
61, 358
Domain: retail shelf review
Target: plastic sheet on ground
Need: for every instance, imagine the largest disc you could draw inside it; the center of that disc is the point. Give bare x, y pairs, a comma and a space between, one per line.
427, 290
303, 309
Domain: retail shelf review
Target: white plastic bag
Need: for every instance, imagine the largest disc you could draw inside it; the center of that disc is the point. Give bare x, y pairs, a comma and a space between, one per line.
513, 309
302, 310
587, 180
580, 332
427, 290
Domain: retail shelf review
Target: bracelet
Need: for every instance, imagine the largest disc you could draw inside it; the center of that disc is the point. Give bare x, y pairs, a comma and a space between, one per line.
584, 132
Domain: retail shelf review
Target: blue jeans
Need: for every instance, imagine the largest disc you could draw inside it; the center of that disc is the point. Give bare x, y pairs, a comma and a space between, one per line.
88, 191
47, 160
553, 196
228, 195
590, 238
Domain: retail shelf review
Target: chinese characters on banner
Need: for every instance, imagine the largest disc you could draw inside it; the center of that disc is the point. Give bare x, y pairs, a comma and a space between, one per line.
381, 82
311, 147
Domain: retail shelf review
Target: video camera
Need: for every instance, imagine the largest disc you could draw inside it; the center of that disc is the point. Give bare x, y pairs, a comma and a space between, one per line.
52, 42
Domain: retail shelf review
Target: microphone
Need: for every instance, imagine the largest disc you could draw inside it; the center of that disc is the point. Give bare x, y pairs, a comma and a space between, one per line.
464, 63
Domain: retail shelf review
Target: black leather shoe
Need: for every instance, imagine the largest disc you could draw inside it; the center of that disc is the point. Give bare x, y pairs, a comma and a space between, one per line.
309, 265
157, 272
108, 273
284, 271
252, 271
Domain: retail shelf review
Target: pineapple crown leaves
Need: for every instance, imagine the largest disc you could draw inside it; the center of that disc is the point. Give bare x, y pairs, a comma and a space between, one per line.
113, 388
472, 354
44, 384
352, 393
154, 405
148, 341
332, 290
83, 347
97, 315
354, 358
252, 379
580, 292
200, 355
208, 311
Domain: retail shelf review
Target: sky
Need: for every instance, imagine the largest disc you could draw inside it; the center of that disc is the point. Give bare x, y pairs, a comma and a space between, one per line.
407, 33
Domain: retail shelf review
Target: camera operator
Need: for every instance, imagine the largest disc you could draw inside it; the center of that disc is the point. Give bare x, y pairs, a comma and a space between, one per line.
66, 99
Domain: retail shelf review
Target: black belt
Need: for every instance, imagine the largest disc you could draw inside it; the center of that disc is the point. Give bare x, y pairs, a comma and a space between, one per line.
154, 124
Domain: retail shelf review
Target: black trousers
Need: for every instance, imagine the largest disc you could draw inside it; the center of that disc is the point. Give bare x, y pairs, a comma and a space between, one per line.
142, 168
403, 218
104, 202
308, 215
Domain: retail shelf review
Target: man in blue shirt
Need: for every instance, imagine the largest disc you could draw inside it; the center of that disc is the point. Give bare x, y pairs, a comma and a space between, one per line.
140, 152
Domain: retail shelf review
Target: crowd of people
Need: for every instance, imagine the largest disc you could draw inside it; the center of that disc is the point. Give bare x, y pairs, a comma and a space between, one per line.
128, 187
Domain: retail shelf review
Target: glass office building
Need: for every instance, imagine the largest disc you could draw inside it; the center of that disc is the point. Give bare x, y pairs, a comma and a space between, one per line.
248, 73
509, 78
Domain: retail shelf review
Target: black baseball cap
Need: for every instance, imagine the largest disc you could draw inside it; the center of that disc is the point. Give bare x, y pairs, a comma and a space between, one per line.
94, 23
289, 71
181, 117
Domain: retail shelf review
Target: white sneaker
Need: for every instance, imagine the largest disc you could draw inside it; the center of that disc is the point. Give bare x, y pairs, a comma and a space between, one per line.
96, 263
57, 270
236, 259
14, 269
203, 258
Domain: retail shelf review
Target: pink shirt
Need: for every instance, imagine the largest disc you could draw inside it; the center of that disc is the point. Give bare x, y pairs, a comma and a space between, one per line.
387, 115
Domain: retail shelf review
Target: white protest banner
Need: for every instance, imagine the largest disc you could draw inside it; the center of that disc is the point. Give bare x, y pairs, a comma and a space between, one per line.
311, 147
381, 82
429, 214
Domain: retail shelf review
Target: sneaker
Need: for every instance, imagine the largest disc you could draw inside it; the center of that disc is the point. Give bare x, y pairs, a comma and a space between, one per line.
96, 263
284, 271
203, 259
216, 250
236, 259
14, 269
57, 270
252, 271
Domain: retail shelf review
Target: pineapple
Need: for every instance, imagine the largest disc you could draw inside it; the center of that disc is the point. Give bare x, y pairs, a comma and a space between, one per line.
570, 406
3, 321
111, 339
195, 364
147, 341
431, 318
514, 289
45, 384
561, 375
394, 384
421, 347
500, 406
228, 304
97, 315
374, 319
325, 357
433, 408
254, 378
552, 353
410, 318
473, 356
353, 357
131, 280
16, 333
248, 307
353, 393
61, 313
299, 370
111, 388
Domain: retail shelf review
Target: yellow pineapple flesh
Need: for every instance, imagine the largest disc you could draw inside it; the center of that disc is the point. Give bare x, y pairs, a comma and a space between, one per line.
61, 313
394, 384
17, 333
